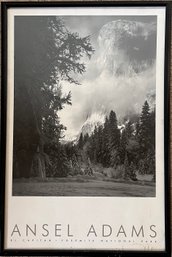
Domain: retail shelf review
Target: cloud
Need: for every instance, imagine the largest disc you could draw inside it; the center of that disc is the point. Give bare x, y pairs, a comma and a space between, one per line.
119, 76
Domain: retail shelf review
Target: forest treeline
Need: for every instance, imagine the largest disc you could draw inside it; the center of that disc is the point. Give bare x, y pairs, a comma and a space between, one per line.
127, 150
46, 53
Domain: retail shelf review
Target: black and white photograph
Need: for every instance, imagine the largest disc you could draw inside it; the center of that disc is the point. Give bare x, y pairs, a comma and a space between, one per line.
84, 106
85, 158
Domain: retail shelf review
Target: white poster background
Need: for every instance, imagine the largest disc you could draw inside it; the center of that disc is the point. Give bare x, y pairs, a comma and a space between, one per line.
68, 219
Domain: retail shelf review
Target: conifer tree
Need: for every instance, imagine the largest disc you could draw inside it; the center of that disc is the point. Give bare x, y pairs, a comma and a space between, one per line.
100, 144
81, 141
123, 144
105, 144
85, 138
126, 165
146, 138
114, 138
45, 53
144, 134
129, 129
114, 134
91, 152
152, 130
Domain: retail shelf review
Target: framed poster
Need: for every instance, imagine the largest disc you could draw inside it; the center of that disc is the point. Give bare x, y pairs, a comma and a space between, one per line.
85, 105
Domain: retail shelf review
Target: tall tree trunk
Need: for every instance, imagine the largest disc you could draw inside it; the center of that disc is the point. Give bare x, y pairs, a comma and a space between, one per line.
26, 133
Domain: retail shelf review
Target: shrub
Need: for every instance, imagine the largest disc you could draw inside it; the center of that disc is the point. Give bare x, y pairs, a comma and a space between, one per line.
118, 172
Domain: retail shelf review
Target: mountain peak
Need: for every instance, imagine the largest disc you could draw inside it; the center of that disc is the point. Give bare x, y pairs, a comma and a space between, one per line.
127, 47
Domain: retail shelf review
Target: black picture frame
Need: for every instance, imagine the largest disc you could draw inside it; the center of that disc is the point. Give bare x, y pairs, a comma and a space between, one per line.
66, 252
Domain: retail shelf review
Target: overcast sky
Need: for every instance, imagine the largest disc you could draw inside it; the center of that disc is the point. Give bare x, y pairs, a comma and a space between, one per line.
121, 72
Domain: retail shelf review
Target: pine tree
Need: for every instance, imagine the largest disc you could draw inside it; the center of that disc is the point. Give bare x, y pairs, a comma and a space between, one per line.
146, 138
90, 148
129, 129
105, 144
152, 130
123, 144
99, 145
59, 161
81, 141
85, 138
113, 130
144, 134
46, 52
114, 139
